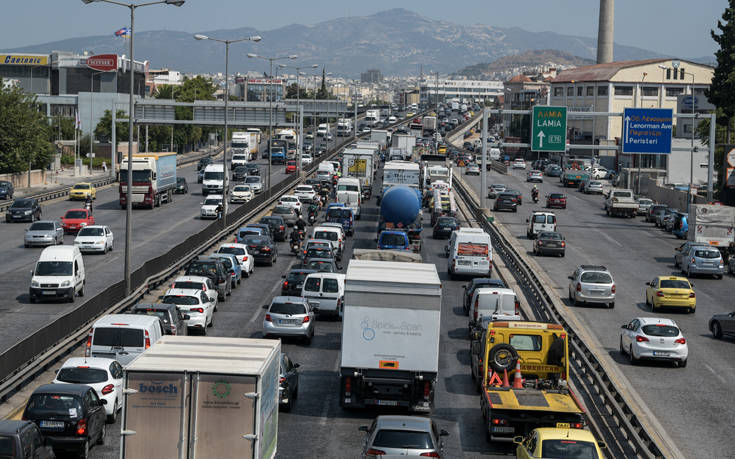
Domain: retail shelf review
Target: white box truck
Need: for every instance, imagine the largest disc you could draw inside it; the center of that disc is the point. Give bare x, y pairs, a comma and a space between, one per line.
712, 224
359, 163
380, 136
390, 335
372, 117
404, 141
198, 396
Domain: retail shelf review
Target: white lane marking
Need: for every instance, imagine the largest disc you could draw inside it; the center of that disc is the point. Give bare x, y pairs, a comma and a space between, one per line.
717, 375
258, 310
609, 238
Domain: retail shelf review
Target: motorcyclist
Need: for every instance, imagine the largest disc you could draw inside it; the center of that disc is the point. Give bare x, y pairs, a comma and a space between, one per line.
300, 224
534, 193
313, 210
219, 211
295, 238
88, 203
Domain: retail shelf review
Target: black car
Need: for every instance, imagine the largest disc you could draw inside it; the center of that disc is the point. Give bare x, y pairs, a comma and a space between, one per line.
277, 226
315, 183
444, 227
215, 269
517, 194
203, 162
322, 265
24, 209
288, 383
252, 169
549, 242
181, 186
22, 440
478, 282
294, 281
506, 201
6, 190
173, 321
262, 248
71, 417
239, 173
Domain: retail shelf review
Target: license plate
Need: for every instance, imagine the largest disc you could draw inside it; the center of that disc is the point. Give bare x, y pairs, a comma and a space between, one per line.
49, 292
562, 425
503, 429
661, 353
388, 402
463, 262
52, 424
286, 321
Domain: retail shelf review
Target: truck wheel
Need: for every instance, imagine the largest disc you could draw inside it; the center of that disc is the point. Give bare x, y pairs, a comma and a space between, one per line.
502, 357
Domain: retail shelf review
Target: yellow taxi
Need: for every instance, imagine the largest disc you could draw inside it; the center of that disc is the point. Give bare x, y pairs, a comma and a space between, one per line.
559, 442
410, 114
671, 291
81, 190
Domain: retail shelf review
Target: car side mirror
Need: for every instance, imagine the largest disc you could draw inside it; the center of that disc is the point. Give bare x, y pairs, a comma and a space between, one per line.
363, 428
570, 277
103, 401
186, 317
518, 440
602, 444
266, 306
443, 433
297, 365
648, 283
526, 220
624, 326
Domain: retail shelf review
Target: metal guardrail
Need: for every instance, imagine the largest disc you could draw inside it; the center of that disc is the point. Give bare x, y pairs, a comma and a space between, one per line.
586, 367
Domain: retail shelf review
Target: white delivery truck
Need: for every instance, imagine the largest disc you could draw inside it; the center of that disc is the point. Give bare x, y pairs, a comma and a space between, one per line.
344, 127
198, 396
380, 136
390, 335
240, 144
372, 117
359, 163
712, 224
254, 142
214, 179
404, 141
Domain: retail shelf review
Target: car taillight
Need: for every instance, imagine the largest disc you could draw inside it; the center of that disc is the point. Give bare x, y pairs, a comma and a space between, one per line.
499, 422
692, 295
348, 386
427, 389
245, 258
540, 243
681, 341
281, 380
88, 350
694, 262
282, 228
474, 310
285, 284
107, 389
306, 319
579, 287
563, 244
374, 452
147, 340
266, 249
517, 307
612, 289
577, 425
81, 427
268, 318
431, 454
640, 338
659, 293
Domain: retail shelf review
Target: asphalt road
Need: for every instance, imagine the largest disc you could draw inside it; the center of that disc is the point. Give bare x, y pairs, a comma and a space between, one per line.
154, 232
696, 404
317, 426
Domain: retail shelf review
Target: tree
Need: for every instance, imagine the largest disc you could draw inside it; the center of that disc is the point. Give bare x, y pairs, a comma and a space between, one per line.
24, 132
722, 90
293, 89
322, 93
103, 131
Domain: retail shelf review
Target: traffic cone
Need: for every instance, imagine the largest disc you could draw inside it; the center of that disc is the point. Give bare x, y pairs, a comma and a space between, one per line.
517, 378
505, 379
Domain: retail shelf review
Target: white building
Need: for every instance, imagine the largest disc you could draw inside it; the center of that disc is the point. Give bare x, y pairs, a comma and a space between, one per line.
432, 89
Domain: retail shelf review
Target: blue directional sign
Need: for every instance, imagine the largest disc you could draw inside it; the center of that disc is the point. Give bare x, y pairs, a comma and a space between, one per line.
647, 131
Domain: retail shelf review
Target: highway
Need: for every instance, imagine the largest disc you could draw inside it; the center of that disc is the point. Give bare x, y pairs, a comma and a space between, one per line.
696, 404
154, 231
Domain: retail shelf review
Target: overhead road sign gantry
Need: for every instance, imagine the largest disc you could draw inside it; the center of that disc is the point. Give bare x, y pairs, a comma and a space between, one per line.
647, 131
549, 128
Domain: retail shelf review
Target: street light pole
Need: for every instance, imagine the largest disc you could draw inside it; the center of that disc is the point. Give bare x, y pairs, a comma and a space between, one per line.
300, 122
225, 179
131, 118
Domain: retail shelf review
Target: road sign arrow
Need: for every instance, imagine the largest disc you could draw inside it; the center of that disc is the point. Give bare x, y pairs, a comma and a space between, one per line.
541, 136
627, 125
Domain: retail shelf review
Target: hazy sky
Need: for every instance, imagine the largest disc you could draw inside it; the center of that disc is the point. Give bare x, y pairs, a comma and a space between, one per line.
675, 27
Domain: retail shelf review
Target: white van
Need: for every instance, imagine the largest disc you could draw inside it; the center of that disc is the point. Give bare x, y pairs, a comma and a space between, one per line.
326, 289
322, 130
123, 336
214, 179
470, 253
239, 159
333, 235
540, 222
349, 194
490, 304
59, 273
326, 166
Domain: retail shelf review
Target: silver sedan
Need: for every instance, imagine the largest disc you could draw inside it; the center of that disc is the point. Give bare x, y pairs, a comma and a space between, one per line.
42, 233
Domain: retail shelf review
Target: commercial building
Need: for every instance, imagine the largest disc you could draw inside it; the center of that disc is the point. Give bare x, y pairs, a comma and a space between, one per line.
371, 76
265, 89
161, 77
432, 89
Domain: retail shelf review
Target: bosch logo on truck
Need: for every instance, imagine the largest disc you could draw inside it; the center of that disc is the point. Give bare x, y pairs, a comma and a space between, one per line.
157, 387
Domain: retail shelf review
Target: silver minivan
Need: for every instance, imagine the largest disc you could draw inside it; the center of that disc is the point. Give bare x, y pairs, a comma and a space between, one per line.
325, 291
123, 336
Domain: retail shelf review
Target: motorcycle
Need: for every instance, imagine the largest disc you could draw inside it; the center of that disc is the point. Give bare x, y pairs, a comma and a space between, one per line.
312, 218
295, 248
535, 198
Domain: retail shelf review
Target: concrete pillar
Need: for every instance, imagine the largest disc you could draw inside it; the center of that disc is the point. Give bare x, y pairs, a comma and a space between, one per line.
605, 32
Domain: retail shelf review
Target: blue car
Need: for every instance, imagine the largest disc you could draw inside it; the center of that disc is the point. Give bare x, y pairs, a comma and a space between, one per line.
681, 226
345, 216
233, 266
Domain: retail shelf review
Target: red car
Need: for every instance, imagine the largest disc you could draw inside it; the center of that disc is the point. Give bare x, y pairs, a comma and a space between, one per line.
290, 167
556, 200
76, 219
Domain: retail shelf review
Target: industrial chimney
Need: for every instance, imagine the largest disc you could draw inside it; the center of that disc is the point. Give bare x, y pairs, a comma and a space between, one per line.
605, 31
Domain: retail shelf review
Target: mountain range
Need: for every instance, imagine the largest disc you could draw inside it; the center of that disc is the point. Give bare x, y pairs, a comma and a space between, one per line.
533, 60
397, 42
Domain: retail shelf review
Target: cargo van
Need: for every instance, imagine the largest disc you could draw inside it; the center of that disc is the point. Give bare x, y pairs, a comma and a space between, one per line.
213, 180
540, 222
326, 289
123, 336
59, 273
349, 194
491, 304
470, 253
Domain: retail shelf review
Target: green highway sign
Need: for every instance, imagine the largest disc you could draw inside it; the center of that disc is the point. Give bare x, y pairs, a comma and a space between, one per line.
549, 128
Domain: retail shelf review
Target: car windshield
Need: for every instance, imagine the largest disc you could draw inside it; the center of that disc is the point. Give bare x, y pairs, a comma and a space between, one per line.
348, 188
256, 241
660, 330
320, 265
92, 232
180, 180
296, 276
707, 254
596, 278
403, 439
304, 189
201, 269
212, 202
568, 449
75, 375
393, 239
554, 236
444, 221
160, 313
181, 300
252, 180
114, 336
675, 283
232, 250
241, 188
227, 261
76, 214
21, 204
556, 196
287, 308
318, 253
329, 235
214, 176
338, 212
283, 210
61, 405
80, 186
54, 268
41, 226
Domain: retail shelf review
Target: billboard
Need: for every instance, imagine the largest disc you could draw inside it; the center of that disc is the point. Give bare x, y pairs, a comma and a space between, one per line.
103, 62
24, 59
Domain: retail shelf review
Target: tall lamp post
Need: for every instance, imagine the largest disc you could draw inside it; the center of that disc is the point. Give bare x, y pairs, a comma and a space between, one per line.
131, 117
299, 139
255, 38
270, 108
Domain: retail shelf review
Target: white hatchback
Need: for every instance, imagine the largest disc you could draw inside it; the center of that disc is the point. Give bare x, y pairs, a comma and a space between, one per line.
519, 164
247, 263
306, 159
653, 338
209, 206
102, 374
95, 238
305, 193
290, 200
196, 303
